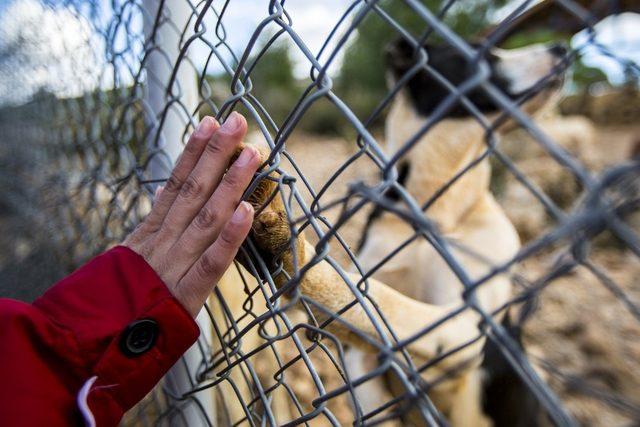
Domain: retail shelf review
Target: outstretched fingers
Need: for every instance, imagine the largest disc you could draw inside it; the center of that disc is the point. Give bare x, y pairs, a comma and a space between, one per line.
197, 222
204, 178
200, 279
187, 161
208, 223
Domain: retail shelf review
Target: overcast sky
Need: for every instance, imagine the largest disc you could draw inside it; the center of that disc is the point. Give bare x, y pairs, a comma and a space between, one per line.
69, 66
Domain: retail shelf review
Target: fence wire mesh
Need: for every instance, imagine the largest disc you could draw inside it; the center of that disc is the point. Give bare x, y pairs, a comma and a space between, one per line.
384, 282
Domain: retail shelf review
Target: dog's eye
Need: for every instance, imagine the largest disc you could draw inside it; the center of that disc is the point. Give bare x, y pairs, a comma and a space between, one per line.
403, 173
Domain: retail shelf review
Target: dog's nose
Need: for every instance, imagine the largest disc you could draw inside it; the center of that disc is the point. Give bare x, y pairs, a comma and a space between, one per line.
558, 49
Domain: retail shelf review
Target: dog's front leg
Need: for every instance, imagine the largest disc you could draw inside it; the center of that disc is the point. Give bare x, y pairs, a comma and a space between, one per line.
335, 290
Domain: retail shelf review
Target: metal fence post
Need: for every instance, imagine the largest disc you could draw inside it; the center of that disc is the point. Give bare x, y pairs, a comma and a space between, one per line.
162, 29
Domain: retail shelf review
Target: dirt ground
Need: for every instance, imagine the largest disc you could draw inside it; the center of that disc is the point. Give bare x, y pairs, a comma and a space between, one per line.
584, 339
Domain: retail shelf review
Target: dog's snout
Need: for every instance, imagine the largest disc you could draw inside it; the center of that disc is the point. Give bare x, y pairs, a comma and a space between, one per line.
558, 49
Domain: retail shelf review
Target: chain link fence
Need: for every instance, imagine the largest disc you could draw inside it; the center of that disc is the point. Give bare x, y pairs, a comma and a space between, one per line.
448, 250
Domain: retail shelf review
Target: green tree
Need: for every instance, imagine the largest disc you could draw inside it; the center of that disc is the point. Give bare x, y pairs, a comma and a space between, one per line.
584, 76
274, 84
274, 68
272, 81
362, 79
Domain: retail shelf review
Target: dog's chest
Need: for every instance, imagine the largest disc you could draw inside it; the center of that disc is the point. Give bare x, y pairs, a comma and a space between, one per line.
417, 270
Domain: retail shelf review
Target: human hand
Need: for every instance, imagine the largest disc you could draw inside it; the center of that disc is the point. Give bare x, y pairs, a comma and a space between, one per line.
197, 222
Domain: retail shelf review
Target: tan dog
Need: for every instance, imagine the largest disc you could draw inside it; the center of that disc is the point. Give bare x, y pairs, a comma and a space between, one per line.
467, 214
417, 287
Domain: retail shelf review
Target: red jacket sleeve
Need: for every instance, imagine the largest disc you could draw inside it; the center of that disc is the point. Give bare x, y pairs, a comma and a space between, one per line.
102, 337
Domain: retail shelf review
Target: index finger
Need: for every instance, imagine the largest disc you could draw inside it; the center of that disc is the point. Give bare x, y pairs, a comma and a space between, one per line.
187, 161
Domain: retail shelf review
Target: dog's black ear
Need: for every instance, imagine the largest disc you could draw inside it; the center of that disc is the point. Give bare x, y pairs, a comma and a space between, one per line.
400, 56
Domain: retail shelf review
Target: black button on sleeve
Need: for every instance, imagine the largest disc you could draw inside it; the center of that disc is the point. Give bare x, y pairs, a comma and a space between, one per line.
139, 337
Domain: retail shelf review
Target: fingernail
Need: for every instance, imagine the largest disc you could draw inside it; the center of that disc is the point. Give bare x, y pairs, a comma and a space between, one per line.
246, 156
242, 213
232, 123
158, 191
205, 128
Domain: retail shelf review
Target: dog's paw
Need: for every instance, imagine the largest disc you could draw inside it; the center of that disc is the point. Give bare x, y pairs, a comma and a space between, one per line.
270, 229
262, 194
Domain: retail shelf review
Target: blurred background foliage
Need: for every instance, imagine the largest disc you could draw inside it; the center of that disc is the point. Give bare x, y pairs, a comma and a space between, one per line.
361, 80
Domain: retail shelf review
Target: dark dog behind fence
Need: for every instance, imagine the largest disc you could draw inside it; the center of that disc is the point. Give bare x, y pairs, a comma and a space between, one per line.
273, 354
